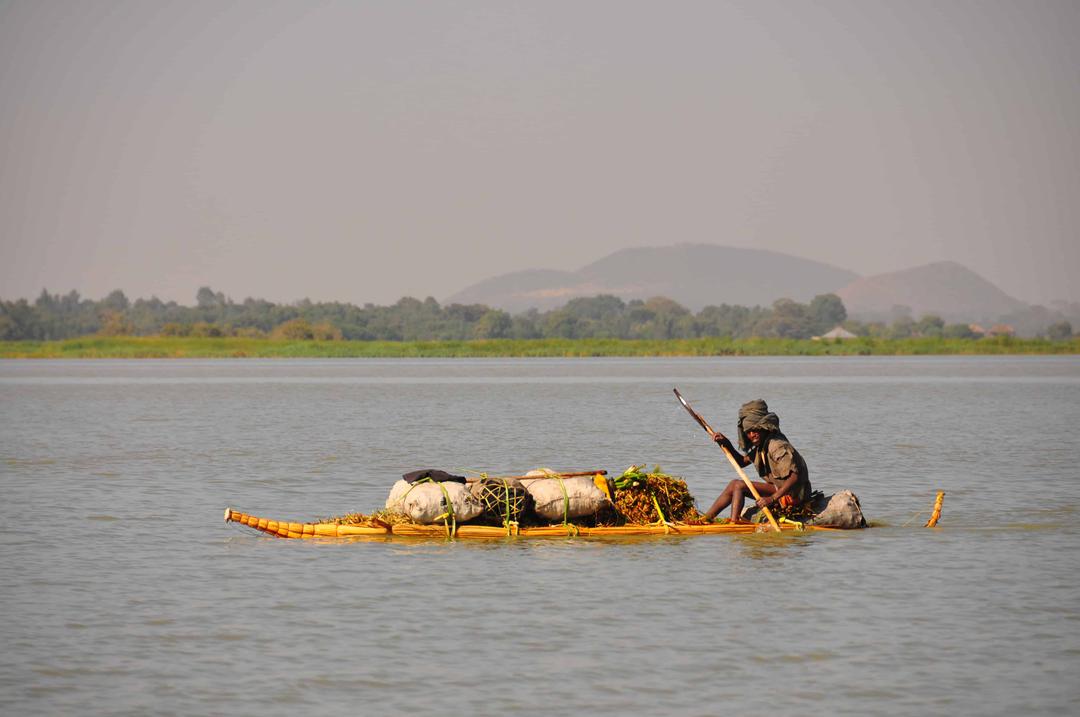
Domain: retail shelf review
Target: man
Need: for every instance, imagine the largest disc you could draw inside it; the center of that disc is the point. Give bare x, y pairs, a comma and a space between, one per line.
787, 479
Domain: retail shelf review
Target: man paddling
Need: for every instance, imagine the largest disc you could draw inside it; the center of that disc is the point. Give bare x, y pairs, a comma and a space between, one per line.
787, 479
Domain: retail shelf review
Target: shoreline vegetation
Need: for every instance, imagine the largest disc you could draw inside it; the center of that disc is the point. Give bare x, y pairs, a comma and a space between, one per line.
165, 347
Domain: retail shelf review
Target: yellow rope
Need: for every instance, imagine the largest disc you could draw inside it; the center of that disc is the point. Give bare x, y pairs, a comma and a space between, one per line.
797, 524
451, 525
506, 503
656, 503
566, 501
910, 520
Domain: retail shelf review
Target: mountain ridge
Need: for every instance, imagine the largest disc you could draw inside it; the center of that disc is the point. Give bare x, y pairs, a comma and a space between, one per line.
694, 275
945, 288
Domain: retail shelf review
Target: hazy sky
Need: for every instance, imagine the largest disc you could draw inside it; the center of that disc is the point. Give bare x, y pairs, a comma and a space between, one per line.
362, 151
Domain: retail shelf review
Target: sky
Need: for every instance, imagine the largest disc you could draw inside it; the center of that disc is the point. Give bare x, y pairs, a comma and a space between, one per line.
364, 151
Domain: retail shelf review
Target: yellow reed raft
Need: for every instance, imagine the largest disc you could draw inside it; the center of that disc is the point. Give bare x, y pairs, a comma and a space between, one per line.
284, 529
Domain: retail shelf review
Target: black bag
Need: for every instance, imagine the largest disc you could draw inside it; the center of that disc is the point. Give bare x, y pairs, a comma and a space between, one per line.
434, 474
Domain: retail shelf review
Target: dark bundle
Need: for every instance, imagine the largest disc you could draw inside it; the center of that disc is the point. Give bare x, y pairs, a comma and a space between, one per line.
798, 514
505, 500
636, 502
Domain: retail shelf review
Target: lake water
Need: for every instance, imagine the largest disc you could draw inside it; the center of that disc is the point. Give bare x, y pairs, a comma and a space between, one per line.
124, 593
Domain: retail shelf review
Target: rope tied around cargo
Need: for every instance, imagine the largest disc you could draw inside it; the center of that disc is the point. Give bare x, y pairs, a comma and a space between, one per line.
451, 524
506, 506
512, 527
656, 503
565, 501
571, 529
401, 501
797, 524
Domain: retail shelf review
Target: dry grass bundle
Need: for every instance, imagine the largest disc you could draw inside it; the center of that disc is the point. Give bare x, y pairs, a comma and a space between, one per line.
380, 518
637, 502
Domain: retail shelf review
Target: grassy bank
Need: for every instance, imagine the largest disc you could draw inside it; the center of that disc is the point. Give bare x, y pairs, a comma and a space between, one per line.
174, 347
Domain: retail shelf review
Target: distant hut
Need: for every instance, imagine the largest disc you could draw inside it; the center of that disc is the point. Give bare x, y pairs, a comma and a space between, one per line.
837, 333
977, 330
1001, 330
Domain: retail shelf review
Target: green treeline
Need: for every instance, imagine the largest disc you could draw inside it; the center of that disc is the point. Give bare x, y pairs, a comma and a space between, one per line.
54, 317
238, 347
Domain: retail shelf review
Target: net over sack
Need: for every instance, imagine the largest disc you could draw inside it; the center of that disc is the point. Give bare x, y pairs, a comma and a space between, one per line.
428, 502
502, 498
560, 499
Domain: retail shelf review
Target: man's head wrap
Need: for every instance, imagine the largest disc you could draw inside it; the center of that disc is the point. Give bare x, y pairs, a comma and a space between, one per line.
755, 414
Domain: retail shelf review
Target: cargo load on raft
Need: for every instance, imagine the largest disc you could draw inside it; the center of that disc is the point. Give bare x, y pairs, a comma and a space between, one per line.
432, 503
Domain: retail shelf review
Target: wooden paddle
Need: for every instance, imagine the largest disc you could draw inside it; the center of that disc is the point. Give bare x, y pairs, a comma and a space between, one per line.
753, 491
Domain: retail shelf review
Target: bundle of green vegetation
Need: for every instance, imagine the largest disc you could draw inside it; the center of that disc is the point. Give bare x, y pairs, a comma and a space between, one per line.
641, 497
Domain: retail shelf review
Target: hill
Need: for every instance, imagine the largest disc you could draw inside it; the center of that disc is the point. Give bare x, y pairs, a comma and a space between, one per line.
945, 288
694, 275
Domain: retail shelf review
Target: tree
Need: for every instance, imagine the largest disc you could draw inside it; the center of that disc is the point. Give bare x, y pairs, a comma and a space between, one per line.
114, 323
902, 328
930, 325
727, 320
494, 324
1059, 331
294, 330
46, 300
560, 324
826, 312
598, 308
526, 325
207, 299
9, 331
325, 331
116, 301
788, 320
206, 330
958, 331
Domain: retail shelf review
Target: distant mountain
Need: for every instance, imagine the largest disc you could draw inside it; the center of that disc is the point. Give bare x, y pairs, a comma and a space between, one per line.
945, 288
695, 275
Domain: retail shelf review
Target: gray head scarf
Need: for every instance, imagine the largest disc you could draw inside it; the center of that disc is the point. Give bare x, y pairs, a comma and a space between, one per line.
755, 414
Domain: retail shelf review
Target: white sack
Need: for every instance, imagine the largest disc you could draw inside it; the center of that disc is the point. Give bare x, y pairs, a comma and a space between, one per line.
582, 497
397, 492
840, 510
426, 502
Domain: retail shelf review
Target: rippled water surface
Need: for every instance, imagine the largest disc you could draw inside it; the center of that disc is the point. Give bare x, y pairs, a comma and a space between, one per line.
123, 592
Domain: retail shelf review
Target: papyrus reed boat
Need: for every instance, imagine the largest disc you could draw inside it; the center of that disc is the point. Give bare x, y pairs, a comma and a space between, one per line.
287, 529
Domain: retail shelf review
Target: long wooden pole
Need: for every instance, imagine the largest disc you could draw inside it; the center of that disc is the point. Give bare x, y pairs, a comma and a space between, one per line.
474, 479
753, 491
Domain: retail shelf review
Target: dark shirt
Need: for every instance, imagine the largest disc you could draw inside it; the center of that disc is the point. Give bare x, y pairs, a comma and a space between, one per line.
776, 462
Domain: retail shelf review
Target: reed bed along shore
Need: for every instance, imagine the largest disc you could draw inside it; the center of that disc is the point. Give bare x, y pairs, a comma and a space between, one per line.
235, 347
